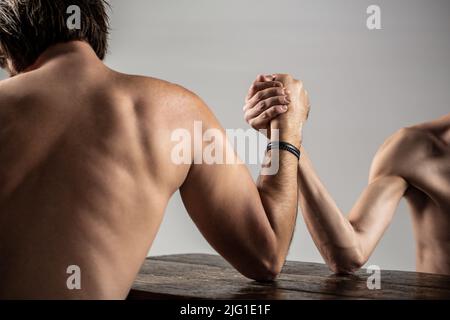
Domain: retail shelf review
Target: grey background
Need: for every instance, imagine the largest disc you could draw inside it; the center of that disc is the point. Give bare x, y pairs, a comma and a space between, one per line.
364, 84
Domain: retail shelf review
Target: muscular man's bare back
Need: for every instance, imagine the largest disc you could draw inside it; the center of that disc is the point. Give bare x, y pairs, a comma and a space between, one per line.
85, 175
87, 169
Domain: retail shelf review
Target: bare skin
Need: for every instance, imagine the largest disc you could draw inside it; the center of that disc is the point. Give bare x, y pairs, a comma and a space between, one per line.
414, 163
86, 174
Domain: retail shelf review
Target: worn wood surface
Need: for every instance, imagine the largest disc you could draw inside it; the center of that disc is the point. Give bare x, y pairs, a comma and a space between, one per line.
199, 276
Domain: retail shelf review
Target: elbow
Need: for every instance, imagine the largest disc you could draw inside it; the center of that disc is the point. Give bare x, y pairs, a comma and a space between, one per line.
345, 268
265, 269
347, 263
266, 261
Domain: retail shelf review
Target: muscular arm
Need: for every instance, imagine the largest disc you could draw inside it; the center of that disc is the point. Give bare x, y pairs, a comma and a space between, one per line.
249, 224
347, 243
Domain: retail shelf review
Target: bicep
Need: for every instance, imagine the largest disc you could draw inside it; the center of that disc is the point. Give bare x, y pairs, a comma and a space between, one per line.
224, 203
223, 200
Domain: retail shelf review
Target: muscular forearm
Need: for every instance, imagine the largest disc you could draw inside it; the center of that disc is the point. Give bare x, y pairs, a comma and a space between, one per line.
249, 225
252, 225
278, 191
346, 244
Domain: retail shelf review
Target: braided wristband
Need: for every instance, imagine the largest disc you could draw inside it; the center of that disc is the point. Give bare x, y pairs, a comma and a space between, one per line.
284, 146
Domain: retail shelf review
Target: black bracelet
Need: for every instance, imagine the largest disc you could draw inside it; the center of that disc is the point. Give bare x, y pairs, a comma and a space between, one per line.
284, 146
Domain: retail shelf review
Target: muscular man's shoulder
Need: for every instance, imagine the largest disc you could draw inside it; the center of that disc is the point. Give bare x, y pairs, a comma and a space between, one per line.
164, 108
15, 92
164, 101
161, 91
25, 85
9, 90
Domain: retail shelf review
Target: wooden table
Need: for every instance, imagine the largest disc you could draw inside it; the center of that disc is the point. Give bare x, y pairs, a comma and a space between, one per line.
199, 276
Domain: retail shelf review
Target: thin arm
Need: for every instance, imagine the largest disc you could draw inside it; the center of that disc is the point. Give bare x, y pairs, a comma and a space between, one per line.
347, 243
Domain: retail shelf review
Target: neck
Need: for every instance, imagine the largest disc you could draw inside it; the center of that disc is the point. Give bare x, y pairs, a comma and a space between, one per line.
79, 48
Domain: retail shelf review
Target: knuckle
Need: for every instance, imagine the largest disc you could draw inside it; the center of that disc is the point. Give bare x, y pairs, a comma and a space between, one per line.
278, 84
281, 100
271, 92
259, 95
262, 105
272, 112
256, 86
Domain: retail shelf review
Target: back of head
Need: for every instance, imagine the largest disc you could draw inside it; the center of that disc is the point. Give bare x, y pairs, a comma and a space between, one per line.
29, 27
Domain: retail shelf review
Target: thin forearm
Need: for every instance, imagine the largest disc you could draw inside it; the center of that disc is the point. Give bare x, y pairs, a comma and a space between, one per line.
331, 231
347, 243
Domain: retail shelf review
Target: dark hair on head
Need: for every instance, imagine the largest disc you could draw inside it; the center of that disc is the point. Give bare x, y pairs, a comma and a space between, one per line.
29, 27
